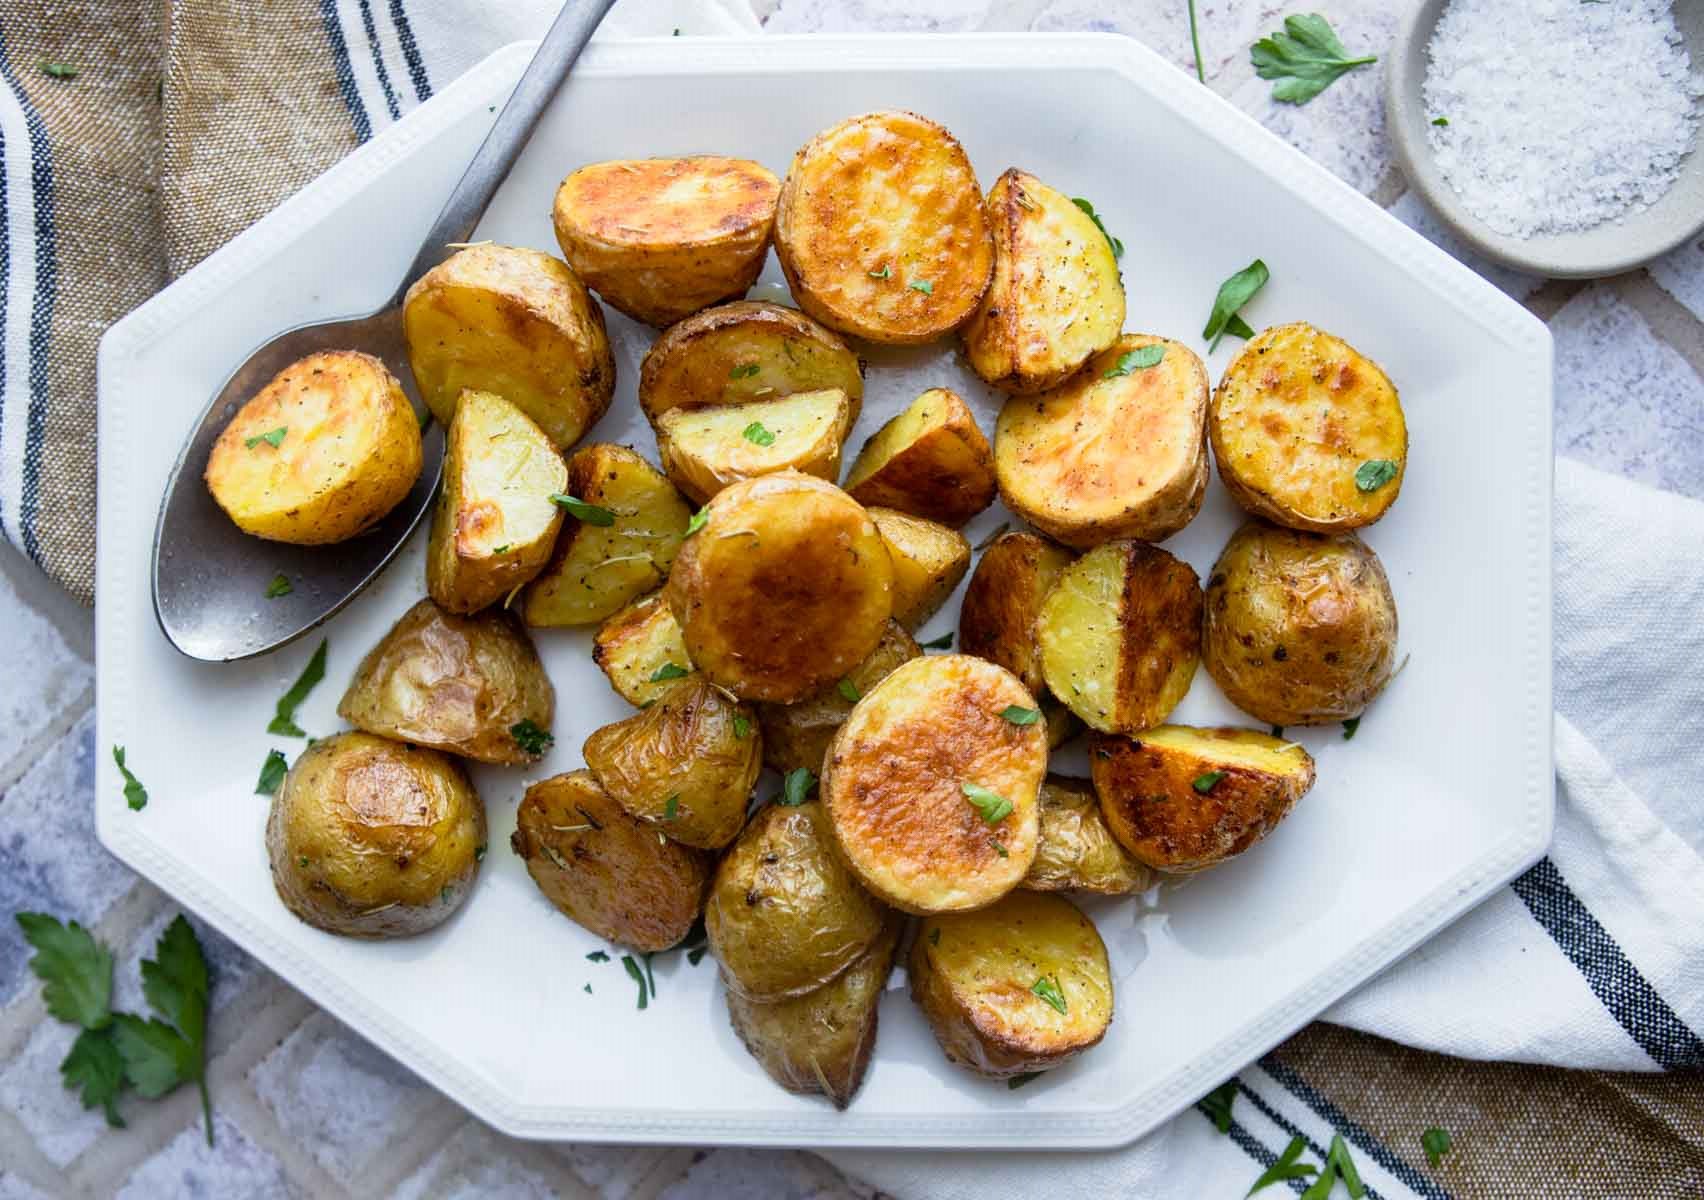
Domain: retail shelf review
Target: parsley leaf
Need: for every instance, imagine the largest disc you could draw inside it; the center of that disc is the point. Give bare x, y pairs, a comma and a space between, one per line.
742, 727
280, 586
1373, 474
1440, 122
591, 514
59, 70
1217, 1104
159, 1056
991, 806
697, 521
744, 371
1014, 1082
944, 642
884, 273
1117, 246
75, 970
598, 956
1235, 292
272, 437
1350, 726
671, 807
1337, 1155
284, 720
1286, 1167
1019, 715
638, 977
530, 737
848, 691
1139, 359
796, 787
272, 773
669, 671
1436, 1143
1049, 991
1195, 44
1304, 57
1206, 781
135, 794
925, 286
757, 435
95, 1066
999, 849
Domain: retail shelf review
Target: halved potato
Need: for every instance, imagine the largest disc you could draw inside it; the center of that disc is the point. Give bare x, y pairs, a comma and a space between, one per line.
597, 568
746, 350
1308, 431
797, 735
321, 452
1116, 451
1120, 636
1077, 852
784, 917
914, 259
703, 450
493, 526
1002, 604
1021, 986
1056, 297
928, 561
913, 777
930, 461
785, 587
605, 869
454, 683
1183, 799
513, 321
659, 238
641, 650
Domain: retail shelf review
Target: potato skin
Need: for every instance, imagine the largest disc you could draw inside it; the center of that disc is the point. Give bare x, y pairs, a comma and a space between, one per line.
1300, 628
686, 751
660, 238
452, 683
607, 870
892, 785
704, 450
928, 561
930, 461
997, 619
786, 587
637, 643
784, 916
1078, 852
372, 839
1147, 792
797, 735
350, 451
919, 221
516, 322
973, 974
1296, 415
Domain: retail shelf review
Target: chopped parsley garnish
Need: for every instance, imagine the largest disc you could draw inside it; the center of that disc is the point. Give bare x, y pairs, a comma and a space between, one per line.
531, 738
1286, 1168
280, 586
1206, 781
1337, 1158
1217, 1104
1235, 292
638, 977
999, 848
1350, 726
503, 549
1277, 731
1436, 1143
848, 691
697, 521
272, 437
742, 727
757, 435
668, 671
991, 806
1373, 474
135, 794
1440, 122
59, 70
944, 642
1195, 44
1017, 1081
1048, 990
884, 273
796, 787
1304, 57
591, 514
272, 773
284, 719
1117, 246
1019, 715
598, 956
1139, 359
925, 286
744, 371
671, 807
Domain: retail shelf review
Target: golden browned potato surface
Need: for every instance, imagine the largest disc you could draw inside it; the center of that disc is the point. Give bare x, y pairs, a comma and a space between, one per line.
1296, 420
797, 735
454, 683
930, 461
1078, 852
1118, 450
928, 561
373, 839
913, 776
785, 587
880, 229
1002, 603
703, 450
1300, 628
1021, 986
1182, 799
641, 650
321, 452
605, 869
659, 238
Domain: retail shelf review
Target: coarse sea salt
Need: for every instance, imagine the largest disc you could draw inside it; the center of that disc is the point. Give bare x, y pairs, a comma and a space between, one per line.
1562, 114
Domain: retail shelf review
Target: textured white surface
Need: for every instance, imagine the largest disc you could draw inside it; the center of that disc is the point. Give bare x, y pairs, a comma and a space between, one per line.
1680, 273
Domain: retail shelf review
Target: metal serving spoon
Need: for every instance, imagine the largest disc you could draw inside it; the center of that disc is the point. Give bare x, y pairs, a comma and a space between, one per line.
210, 578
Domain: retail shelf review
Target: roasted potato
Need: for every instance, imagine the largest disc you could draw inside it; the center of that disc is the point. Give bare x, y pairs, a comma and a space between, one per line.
686, 764
1062, 723
821, 1042
659, 238
880, 229
930, 461
930, 785
620, 549
1077, 852
516, 322
743, 351
1120, 636
703, 450
641, 650
1021, 986
493, 526
997, 620
321, 452
453, 683
1183, 799
374, 839
1309, 432
1119, 450
785, 587
784, 917
797, 735
1300, 628
605, 869
928, 561
1056, 297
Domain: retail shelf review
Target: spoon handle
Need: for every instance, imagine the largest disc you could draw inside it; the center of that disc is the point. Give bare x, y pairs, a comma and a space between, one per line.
561, 46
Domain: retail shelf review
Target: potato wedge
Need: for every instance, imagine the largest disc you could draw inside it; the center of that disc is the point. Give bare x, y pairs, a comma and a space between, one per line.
686, 764
743, 351
605, 869
797, 735
493, 526
660, 238
596, 568
928, 561
915, 261
931, 791
1056, 297
930, 461
784, 916
1021, 986
1300, 628
453, 683
1182, 799
703, 450
641, 650
784, 588
1106, 454
1295, 423
1062, 723
516, 322
1120, 636
321, 452
1002, 604
1077, 852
